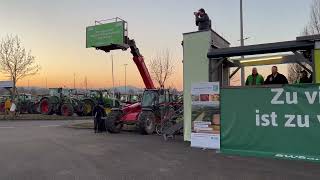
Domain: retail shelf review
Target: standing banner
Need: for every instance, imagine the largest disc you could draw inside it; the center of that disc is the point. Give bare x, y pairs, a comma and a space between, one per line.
205, 115
272, 122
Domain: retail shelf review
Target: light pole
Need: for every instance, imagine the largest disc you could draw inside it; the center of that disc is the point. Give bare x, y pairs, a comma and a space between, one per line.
74, 80
241, 41
125, 78
112, 80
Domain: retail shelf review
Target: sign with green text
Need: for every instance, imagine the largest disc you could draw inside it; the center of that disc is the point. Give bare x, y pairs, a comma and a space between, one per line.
282, 122
105, 34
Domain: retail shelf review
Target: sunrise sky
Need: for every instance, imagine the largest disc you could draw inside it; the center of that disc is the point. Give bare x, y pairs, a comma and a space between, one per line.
55, 32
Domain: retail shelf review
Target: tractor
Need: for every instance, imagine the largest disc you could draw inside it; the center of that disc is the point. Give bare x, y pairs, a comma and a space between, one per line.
146, 115
156, 105
26, 104
59, 102
98, 97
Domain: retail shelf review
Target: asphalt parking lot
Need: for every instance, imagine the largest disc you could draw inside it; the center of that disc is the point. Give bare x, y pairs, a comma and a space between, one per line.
50, 150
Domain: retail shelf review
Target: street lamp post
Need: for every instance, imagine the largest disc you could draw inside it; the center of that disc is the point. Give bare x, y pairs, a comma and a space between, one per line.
112, 80
125, 78
241, 41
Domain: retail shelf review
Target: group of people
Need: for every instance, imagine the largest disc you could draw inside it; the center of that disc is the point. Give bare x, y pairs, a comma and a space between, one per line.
204, 23
9, 108
274, 78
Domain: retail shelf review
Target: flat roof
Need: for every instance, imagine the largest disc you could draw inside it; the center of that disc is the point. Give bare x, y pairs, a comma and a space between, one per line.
205, 31
277, 47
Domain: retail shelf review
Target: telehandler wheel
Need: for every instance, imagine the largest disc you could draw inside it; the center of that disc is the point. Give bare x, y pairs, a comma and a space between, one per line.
113, 122
146, 122
66, 110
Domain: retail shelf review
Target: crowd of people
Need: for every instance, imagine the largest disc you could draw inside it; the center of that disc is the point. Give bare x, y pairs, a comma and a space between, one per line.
275, 77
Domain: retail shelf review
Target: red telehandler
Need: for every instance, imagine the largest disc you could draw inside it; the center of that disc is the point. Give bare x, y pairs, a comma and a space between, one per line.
146, 115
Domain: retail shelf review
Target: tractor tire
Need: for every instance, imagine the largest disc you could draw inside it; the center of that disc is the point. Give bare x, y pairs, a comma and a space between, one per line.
46, 107
79, 113
30, 107
78, 108
146, 122
88, 107
66, 110
113, 122
23, 109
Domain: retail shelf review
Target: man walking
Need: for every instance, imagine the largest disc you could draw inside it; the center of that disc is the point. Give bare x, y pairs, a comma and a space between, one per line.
255, 78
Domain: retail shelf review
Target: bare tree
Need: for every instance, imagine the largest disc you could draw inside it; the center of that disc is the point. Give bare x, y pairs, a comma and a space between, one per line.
162, 67
313, 27
15, 61
294, 72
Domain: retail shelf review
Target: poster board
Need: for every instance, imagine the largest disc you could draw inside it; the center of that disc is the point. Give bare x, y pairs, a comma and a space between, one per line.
205, 115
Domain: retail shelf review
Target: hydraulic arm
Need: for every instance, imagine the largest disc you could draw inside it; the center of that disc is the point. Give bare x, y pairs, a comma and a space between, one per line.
139, 61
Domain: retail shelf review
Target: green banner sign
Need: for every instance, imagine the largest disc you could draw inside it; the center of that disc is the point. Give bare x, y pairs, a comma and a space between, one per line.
105, 34
272, 122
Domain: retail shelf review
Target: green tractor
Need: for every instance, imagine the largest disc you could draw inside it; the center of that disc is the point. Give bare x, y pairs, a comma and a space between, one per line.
98, 97
27, 104
59, 102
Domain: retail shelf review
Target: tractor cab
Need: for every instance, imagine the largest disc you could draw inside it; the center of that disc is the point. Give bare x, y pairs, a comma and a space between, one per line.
153, 98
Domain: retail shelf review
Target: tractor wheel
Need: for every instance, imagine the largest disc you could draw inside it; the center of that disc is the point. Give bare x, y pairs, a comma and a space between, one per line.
30, 107
66, 110
79, 113
36, 108
79, 109
113, 122
23, 109
146, 122
46, 107
88, 107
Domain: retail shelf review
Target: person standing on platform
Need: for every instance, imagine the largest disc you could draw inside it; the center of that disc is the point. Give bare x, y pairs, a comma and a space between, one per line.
255, 78
304, 78
275, 77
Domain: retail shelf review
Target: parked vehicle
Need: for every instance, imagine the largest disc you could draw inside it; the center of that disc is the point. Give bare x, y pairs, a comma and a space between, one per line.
60, 102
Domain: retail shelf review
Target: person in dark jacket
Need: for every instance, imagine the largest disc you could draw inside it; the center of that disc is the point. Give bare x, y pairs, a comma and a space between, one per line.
255, 78
202, 20
275, 77
304, 78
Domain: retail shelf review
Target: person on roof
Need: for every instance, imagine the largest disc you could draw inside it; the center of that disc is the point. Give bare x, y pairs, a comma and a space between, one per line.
255, 78
202, 20
275, 77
